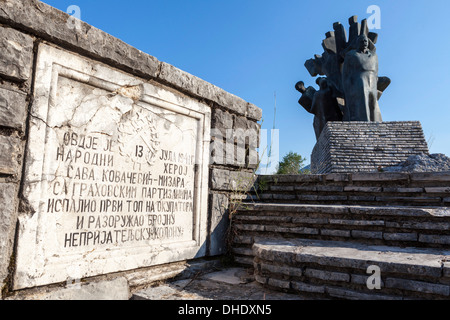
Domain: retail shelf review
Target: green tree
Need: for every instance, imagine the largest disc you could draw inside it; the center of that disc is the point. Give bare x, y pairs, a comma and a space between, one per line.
292, 163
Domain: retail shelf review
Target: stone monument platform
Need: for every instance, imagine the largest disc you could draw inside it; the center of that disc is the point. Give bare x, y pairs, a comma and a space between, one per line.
345, 147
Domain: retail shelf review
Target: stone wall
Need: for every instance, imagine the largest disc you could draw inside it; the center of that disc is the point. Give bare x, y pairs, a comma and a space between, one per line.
366, 146
27, 29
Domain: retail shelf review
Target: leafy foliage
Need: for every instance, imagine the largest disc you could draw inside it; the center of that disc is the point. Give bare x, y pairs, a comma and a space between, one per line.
292, 163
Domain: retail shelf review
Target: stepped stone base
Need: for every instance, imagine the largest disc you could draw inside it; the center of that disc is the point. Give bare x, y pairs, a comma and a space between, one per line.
325, 250
345, 147
361, 236
397, 226
340, 270
366, 189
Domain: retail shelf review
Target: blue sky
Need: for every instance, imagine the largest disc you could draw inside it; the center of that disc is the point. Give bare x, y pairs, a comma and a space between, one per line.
255, 49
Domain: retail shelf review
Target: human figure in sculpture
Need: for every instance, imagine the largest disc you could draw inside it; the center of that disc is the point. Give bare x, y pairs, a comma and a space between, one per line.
360, 83
324, 107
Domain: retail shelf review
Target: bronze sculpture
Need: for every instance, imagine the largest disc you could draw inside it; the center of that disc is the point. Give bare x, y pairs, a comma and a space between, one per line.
360, 83
352, 87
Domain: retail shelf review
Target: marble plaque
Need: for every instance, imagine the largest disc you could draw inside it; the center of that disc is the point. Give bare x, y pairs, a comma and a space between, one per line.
116, 173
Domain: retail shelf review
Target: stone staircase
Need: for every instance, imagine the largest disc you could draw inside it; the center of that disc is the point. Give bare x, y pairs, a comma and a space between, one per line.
379, 189
394, 224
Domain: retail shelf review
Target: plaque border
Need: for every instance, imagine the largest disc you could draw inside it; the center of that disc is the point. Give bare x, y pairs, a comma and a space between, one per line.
35, 264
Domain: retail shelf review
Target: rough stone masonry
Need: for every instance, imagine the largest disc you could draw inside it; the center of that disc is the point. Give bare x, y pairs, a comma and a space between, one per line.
111, 164
366, 146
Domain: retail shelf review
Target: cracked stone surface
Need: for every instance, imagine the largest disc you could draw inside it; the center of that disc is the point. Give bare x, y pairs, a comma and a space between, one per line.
112, 175
227, 284
12, 108
7, 224
16, 54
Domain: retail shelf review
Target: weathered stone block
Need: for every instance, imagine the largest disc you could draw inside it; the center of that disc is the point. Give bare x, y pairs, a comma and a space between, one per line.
357, 222
380, 177
265, 252
253, 112
361, 198
330, 189
220, 223
430, 176
308, 231
250, 227
419, 225
305, 287
418, 286
147, 276
10, 150
400, 236
283, 284
222, 121
362, 189
281, 188
402, 190
243, 251
367, 234
13, 108
362, 279
236, 181
253, 159
438, 190
327, 275
332, 198
243, 239
398, 211
446, 269
338, 177
296, 179
116, 289
305, 188
335, 233
263, 219
284, 197
281, 269
16, 54
302, 220
244, 260
435, 239
7, 224
353, 295
194, 85
307, 197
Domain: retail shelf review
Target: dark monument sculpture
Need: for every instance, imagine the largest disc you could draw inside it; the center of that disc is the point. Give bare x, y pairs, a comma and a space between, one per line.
322, 104
352, 88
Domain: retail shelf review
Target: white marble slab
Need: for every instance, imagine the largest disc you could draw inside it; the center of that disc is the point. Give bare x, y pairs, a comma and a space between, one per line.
116, 173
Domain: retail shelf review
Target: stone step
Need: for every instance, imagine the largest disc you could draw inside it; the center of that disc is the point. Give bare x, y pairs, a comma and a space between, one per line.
398, 226
381, 189
347, 270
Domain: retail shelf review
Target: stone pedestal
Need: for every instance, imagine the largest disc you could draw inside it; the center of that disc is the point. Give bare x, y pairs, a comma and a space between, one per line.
345, 147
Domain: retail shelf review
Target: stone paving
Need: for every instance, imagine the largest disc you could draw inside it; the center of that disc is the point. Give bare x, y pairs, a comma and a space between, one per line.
226, 285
